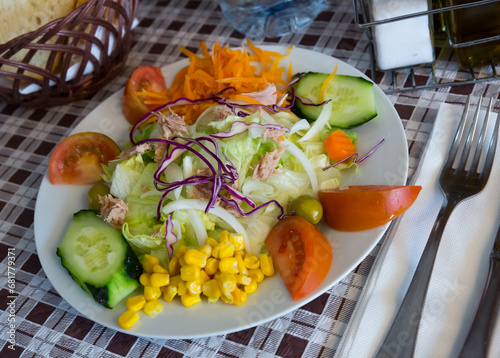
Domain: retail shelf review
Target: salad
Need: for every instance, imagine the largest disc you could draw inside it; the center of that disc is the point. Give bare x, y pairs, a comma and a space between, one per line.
234, 167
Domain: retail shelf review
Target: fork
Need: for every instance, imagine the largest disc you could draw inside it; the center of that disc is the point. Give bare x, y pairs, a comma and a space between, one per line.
461, 177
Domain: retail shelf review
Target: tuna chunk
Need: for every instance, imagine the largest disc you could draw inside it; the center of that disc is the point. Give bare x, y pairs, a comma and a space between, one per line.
113, 210
274, 134
267, 165
171, 123
221, 113
136, 149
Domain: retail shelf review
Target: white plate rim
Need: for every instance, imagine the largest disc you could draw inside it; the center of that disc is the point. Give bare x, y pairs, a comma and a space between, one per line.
274, 302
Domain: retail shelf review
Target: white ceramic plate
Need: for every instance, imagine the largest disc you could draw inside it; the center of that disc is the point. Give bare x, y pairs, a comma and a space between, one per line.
55, 206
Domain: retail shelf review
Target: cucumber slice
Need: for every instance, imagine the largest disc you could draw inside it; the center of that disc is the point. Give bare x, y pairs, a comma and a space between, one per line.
353, 99
99, 259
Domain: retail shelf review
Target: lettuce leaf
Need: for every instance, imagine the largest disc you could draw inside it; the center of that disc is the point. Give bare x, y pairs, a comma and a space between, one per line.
126, 175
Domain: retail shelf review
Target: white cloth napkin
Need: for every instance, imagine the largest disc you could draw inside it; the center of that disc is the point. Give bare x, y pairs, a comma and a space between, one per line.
459, 272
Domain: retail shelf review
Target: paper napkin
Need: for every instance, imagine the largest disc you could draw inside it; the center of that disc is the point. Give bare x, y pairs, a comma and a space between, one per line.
460, 269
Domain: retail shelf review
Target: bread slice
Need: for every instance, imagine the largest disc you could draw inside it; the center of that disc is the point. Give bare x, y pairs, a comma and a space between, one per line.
22, 16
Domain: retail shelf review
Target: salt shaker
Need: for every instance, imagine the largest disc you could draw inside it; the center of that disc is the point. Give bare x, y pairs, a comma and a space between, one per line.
402, 43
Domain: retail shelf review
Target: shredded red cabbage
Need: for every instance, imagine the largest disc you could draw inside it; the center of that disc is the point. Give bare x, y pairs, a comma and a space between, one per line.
237, 207
239, 195
308, 102
355, 157
170, 237
296, 79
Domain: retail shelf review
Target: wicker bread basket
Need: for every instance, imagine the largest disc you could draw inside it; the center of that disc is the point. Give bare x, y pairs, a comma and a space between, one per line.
69, 41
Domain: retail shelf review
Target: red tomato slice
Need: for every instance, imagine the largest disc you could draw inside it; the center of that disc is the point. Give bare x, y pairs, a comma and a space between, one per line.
362, 207
77, 159
301, 253
148, 78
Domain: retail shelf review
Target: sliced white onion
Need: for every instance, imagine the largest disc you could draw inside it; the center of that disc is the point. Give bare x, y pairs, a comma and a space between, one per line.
184, 204
306, 164
320, 123
173, 173
303, 124
266, 117
149, 193
198, 226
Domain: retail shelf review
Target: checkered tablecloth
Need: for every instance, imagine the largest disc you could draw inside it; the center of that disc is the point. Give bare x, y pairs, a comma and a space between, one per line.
47, 326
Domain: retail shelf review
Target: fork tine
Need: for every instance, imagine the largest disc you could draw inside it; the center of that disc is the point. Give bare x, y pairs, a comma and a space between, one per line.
490, 156
479, 146
458, 136
462, 161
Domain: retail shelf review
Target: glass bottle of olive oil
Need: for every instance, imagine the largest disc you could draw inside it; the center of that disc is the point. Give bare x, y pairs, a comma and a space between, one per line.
472, 24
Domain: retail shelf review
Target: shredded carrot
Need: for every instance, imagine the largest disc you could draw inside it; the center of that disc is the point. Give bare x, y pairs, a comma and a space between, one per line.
236, 97
339, 146
325, 84
209, 73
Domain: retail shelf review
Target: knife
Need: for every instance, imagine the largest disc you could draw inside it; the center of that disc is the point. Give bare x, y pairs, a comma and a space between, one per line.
478, 341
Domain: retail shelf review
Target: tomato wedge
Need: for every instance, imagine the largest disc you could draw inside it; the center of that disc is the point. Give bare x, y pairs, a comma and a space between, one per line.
77, 159
362, 207
149, 78
301, 254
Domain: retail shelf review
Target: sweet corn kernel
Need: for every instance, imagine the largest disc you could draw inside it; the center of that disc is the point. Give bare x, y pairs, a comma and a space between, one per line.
195, 257
239, 297
251, 261
212, 242
224, 237
159, 269
237, 240
227, 298
190, 273
169, 293
152, 308
226, 249
243, 280
189, 300
181, 288
213, 300
215, 251
144, 279
136, 303
159, 279
206, 249
174, 267
148, 262
182, 261
181, 250
252, 287
228, 265
242, 269
211, 289
204, 276
266, 265
227, 283
239, 252
127, 319
212, 266
175, 280
256, 274
151, 293
193, 287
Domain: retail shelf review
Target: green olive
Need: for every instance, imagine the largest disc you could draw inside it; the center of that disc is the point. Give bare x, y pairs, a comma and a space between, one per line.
306, 207
101, 189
